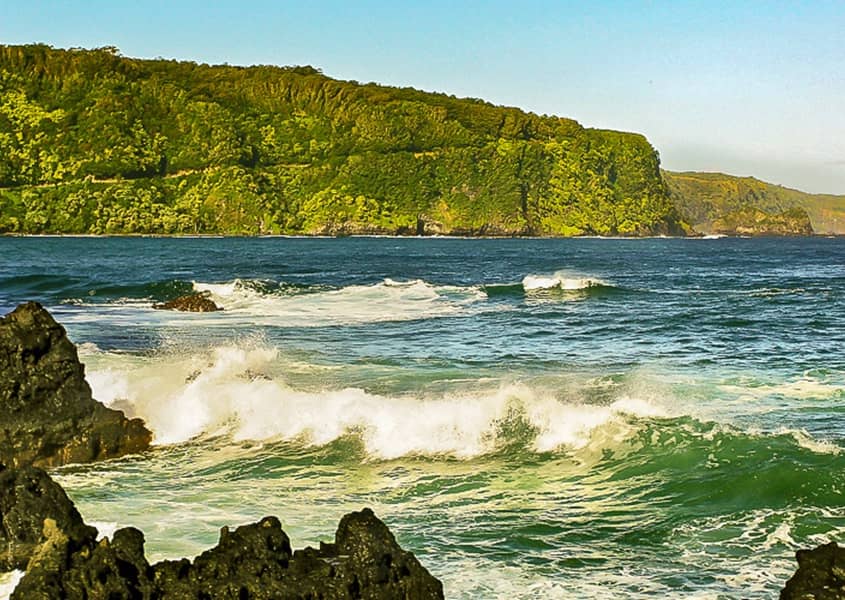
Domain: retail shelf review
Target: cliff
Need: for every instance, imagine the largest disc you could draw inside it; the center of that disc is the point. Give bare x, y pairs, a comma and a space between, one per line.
753, 221
94, 142
703, 199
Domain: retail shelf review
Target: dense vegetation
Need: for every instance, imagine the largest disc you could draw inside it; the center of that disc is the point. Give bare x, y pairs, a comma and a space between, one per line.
714, 201
93, 142
753, 221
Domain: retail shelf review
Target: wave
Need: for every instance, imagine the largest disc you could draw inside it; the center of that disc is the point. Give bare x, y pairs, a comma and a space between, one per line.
279, 302
8, 583
241, 391
561, 283
234, 390
387, 300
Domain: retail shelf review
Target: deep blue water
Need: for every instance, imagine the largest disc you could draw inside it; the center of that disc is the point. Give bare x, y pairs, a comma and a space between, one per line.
534, 418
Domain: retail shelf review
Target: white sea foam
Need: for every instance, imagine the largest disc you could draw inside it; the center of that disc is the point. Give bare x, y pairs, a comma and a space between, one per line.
388, 300
806, 441
105, 529
560, 280
804, 388
8, 583
225, 392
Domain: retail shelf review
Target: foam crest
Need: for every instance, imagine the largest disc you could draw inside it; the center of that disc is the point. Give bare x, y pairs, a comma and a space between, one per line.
802, 389
8, 583
229, 392
388, 300
560, 280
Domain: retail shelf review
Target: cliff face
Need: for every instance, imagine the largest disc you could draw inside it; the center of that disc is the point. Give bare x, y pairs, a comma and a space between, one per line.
711, 201
753, 221
92, 142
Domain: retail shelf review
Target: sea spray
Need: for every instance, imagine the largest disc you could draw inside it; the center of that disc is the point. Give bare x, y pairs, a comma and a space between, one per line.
388, 300
229, 391
674, 431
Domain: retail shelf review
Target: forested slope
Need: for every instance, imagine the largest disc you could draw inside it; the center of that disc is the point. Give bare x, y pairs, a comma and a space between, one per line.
93, 142
710, 200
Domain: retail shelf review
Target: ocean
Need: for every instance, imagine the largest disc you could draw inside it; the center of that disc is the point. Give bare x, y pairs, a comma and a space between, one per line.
533, 418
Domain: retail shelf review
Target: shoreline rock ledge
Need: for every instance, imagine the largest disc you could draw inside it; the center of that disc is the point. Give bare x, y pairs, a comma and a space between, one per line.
44, 533
820, 575
48, 416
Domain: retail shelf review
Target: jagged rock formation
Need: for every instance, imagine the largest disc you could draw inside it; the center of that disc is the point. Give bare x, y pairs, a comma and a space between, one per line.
27, 497
47, 414
820, 575
199, 302
42, 531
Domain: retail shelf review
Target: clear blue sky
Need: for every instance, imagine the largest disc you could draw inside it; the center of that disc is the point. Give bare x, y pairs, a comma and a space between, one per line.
748, 88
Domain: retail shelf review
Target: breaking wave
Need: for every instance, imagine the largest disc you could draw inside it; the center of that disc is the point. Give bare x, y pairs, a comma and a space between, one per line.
239, 391
387, 300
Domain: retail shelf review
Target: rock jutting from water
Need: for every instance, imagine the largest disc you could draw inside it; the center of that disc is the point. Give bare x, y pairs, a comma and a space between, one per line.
43, 532
820, 575
27, 497
199, 302
48, 416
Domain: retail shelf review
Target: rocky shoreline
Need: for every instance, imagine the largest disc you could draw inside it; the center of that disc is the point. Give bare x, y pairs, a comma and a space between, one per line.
43, 533
48, 417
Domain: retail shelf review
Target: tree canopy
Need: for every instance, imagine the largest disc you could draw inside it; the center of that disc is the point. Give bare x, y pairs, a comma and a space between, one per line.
93, 142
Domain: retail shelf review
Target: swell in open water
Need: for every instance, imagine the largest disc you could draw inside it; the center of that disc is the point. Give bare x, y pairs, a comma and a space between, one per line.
533, 418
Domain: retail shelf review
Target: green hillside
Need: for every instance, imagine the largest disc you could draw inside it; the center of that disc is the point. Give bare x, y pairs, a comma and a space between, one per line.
93, 142
708, 199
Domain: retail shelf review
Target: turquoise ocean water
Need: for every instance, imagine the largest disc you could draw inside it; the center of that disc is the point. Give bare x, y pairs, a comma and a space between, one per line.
582, 418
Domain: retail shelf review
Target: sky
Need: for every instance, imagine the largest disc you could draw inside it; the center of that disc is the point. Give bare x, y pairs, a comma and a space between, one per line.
741, 87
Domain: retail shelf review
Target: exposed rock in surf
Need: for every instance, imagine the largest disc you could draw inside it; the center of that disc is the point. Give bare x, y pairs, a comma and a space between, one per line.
820, 575
47, 414
199, 302
27, 497
66, 568
253, 561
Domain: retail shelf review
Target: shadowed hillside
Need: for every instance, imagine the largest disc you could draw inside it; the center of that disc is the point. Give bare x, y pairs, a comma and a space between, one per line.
705, 199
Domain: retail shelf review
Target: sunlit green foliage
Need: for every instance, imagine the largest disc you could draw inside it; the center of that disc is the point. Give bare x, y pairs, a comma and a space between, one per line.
92, 142
712, 200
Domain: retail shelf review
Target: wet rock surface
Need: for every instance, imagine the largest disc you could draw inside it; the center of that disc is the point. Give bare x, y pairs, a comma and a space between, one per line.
820, 575
63, 558
47, 414
199, 302
27, 497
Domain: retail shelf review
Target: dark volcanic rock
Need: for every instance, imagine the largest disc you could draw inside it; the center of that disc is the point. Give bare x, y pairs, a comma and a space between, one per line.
820, 575
255, 561
65, 568
27, 497
47, 414
199, 302
63, 559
